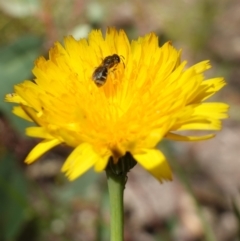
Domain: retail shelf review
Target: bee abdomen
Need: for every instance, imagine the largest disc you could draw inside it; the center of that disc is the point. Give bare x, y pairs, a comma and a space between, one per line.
100, 75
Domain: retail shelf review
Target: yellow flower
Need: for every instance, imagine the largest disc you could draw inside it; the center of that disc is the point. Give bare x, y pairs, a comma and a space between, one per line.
147, 96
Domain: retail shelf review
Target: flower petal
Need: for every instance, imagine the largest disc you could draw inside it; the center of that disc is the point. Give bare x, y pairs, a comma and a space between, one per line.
40, 149
214, 110
154, 162
39, 132
204, 116
14, 98
18, 111
201, 66
80, 160
177, 137
101, 163
199, 123
207, 89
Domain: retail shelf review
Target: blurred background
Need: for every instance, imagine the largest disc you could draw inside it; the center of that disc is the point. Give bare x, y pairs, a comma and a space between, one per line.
202, 203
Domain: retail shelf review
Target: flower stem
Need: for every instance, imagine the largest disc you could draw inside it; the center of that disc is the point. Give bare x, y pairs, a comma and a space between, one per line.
116, 185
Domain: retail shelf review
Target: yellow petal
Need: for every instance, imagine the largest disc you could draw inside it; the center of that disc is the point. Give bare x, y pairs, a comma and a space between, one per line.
200, 123
212, 109
204, 116
101, 163
18, 111
201, 66
207, 89
32, 114
26, 90
177, 137
154, 162
155, 136
40, 149
15, 98
39, 132
80, 160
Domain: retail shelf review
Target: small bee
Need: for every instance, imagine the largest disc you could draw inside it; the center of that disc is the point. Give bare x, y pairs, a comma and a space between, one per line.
100, 74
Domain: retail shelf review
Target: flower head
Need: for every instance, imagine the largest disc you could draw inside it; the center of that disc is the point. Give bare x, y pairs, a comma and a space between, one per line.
145, 96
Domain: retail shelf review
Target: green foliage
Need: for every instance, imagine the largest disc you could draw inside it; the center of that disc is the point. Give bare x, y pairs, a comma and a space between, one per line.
16, 62
13, 198
236, 211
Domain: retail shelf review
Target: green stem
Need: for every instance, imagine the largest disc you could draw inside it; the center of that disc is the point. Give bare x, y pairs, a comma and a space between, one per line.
116, 185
